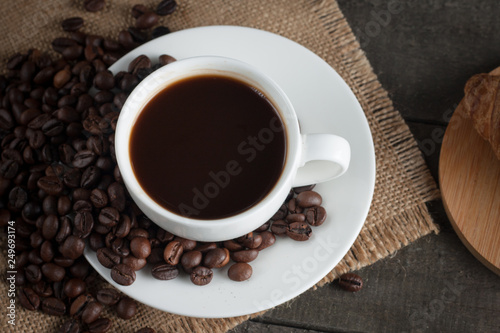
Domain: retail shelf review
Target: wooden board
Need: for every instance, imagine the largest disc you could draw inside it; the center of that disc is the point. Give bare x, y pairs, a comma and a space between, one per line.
469, 176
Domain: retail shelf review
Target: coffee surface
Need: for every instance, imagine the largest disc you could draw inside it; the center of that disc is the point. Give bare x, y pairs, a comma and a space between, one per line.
208, 147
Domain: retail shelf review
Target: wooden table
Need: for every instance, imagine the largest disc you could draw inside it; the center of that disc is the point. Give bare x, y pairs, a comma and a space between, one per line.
423, 55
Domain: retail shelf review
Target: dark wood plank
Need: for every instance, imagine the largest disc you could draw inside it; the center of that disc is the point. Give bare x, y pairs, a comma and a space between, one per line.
429, 139
425, 51
257, 327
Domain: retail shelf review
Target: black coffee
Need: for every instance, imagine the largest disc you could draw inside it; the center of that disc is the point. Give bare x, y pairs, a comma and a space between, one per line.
208, 147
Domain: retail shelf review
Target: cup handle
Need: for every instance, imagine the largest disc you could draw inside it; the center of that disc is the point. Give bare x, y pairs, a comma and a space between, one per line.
324, 157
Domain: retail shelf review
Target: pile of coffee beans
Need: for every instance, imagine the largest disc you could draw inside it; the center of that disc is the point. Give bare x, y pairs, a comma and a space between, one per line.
61, 187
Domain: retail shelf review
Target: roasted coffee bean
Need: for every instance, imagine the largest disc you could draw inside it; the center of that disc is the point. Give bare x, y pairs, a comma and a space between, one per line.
44, 75
164, 271
244, 255
351, 282
101, 325
240, 271
316, 216
73, 247
109, 216
28, 298
98, 145
126, 308
67, 114
74, 287
252, 241
90, 177
140, 247
268, 239
72, 52
191, 259
83, 158
139, 62
279, 227
91, 312
53, 306
50, 227
47, 251
156, 256
9, 169
108, 296
78, 305
20, 278
216, 258
27, 71
126, 41
173, 252
36, 239
116, 194
68, 100
99, 199
122, 229
53, 272
49, 205
59, 44
201, 276
123, 274
166, 7
166, 59
50, 185
72, 24
83, 224
58, 290
104, 80
299, 231
232, 245
64, 229
70, 326
121, 246
159, 31
33, 273
94, 5
66, 153
147, 20
295, 218
63, 262
6, 120
308, 199
63, 205
18, 197
135, 263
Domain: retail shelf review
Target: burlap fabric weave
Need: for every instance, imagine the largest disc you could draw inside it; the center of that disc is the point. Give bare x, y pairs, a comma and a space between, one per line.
398, 215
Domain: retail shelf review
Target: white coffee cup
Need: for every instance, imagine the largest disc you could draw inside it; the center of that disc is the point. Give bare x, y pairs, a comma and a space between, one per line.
310, 158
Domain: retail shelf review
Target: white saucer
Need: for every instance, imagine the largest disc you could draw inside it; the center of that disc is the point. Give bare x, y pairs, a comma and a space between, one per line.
324, 103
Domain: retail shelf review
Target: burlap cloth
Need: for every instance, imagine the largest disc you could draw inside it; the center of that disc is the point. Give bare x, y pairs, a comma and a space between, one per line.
398, 214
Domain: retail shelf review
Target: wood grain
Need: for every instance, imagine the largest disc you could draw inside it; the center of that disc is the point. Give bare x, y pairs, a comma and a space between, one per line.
469, 174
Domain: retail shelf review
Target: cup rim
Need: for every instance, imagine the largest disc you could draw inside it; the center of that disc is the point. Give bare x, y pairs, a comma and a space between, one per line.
157, 81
